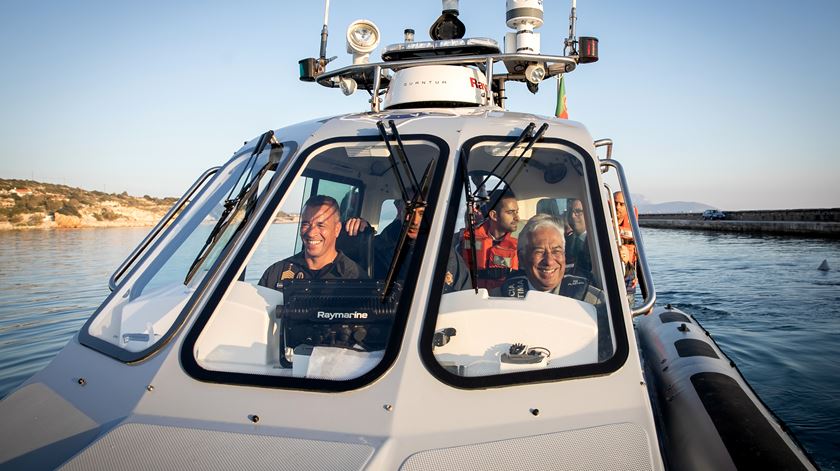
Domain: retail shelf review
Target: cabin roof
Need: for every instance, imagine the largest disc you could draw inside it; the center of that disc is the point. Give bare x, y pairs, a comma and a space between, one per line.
455, 125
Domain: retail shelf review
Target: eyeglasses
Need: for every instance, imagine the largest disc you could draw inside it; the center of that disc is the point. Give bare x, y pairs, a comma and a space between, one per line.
577, 212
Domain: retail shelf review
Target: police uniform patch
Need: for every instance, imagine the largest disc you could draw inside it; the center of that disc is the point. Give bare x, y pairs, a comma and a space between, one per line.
516, 287
300, 275
449, 279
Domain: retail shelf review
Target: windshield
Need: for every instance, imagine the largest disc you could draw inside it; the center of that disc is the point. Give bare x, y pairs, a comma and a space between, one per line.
143, 311
527, 233
321, 297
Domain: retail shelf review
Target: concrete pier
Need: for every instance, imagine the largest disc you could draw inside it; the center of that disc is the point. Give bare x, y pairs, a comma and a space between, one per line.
799, 222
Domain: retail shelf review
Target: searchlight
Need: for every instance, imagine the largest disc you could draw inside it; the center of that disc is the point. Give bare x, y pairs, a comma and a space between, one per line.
362, 39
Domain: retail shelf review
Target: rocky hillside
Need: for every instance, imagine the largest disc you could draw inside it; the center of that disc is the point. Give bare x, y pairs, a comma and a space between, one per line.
31, 204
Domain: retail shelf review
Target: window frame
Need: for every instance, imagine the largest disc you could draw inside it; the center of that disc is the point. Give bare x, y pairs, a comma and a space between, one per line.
613, 290
140, 269
228, 276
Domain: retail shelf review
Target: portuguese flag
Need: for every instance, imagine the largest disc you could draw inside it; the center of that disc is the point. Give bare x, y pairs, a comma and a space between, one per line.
561, 111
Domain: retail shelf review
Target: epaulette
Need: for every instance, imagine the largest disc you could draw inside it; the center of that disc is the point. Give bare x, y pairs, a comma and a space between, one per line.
574, 287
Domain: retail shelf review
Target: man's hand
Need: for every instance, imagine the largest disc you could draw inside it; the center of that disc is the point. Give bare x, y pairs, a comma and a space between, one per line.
354, 226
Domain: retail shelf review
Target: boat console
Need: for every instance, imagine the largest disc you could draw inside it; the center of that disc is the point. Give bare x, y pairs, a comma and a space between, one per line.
354, 314
555, 331
331, 329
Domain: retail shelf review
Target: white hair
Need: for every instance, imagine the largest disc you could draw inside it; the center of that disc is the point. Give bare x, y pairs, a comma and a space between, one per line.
538, 222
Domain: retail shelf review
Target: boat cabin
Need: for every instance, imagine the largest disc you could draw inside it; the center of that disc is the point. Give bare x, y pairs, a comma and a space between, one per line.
319, 330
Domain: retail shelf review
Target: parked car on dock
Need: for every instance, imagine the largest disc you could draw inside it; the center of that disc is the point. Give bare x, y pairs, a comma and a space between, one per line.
713, 215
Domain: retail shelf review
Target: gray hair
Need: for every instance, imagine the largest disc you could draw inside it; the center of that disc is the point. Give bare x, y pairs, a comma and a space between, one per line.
537, 222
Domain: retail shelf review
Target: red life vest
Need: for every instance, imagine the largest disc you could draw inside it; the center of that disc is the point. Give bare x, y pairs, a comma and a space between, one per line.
494, 260
626, 234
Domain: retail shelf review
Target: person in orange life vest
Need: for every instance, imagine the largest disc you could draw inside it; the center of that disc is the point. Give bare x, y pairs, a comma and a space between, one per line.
627, 251
494, 245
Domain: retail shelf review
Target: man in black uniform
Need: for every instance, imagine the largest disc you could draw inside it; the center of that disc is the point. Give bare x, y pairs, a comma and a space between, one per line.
385, 246
578, 260
319, 260
542, 263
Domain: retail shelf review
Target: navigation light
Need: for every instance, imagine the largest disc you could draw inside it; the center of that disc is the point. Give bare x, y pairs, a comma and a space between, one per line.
588, 49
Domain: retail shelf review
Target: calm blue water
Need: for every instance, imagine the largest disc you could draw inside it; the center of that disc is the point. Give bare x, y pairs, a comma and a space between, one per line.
772, 312
763, 299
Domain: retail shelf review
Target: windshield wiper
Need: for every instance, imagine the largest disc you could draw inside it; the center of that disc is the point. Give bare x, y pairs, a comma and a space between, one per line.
245, 198
514, 163
413, 203
472, 205
411, 209
473, 200
400, 153
525, 133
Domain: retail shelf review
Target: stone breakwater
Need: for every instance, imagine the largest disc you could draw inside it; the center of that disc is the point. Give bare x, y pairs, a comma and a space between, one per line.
801, 222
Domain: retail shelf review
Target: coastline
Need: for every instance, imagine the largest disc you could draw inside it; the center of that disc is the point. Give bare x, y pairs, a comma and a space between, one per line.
32, 205
94, 224
802, 222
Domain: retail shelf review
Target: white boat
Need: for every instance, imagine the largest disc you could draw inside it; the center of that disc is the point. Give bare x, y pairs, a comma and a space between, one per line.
416, 344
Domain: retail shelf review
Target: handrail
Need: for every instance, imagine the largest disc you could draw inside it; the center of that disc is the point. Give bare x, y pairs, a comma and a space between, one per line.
608, 143
377, 81
611, 204
120, 271
569, 64
645, 281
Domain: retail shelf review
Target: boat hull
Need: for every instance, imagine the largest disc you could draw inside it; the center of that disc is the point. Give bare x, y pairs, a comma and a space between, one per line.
709, 417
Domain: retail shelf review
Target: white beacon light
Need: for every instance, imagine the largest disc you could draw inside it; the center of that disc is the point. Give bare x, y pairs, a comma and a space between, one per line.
362, 39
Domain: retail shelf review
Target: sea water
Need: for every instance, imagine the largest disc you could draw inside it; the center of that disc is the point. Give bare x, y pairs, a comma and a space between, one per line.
772, 311
762, 298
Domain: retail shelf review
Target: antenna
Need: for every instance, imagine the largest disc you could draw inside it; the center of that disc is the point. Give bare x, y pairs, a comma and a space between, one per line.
588, 45
312, 67
324, 33
571, 41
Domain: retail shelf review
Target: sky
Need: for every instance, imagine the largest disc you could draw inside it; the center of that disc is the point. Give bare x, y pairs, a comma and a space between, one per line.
732, 103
